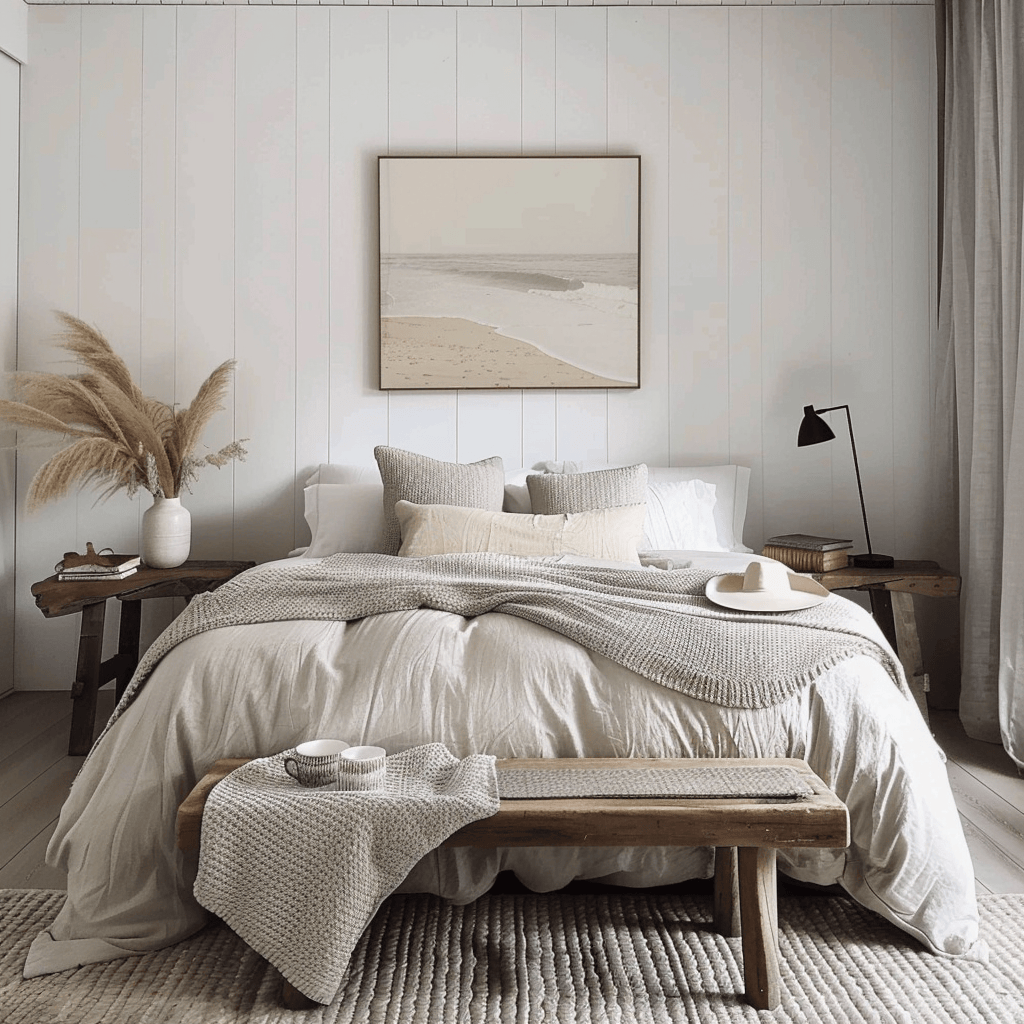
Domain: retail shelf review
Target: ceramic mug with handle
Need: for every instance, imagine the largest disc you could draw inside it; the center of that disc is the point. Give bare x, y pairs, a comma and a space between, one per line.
314, 764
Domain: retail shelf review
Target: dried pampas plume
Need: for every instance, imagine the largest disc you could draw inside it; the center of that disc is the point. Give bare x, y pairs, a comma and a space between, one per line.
119, 437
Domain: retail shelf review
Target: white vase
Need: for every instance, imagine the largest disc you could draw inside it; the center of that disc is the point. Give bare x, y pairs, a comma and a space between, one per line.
166, 533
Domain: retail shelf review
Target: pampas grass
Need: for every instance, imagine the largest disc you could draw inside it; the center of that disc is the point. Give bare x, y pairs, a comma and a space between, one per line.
119, 437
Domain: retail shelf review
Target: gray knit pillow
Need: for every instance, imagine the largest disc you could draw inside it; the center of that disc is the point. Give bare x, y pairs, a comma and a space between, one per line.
410, 477
559, 493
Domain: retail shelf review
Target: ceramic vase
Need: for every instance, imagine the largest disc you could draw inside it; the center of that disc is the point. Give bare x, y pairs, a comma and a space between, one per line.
166, 533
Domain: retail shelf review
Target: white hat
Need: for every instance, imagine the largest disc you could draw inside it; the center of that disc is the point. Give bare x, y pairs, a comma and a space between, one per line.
765, 587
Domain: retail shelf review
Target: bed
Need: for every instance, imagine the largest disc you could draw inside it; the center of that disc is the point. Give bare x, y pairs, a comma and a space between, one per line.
501, 684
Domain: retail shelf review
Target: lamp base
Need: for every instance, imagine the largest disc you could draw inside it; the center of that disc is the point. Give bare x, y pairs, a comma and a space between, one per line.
872, 561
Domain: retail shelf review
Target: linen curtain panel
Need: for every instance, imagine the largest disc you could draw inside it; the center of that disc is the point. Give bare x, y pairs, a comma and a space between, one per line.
981, 59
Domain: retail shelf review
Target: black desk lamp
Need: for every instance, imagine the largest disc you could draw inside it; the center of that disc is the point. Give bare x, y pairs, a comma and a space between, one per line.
814, 430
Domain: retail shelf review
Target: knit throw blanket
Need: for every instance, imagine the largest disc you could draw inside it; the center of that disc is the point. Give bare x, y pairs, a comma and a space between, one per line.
299, 873
658, 624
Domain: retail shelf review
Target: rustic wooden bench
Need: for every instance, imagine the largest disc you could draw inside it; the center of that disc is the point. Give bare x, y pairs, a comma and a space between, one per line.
745, 833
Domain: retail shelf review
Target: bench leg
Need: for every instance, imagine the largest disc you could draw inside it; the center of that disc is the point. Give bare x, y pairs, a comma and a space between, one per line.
293, 999
727, 892
759, 914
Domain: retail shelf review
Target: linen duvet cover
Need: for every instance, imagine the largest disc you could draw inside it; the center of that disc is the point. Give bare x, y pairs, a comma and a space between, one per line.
499, 684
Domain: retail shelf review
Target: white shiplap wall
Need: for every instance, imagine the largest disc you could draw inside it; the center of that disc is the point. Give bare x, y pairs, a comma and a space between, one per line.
10, 77
200, 182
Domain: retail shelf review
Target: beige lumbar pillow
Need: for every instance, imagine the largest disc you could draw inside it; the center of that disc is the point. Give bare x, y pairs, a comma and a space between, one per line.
608, 533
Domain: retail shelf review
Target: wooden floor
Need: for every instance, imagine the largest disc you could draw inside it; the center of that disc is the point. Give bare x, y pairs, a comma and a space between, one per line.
35, 773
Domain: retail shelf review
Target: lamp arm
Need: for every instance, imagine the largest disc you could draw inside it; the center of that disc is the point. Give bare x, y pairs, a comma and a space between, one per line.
856, 468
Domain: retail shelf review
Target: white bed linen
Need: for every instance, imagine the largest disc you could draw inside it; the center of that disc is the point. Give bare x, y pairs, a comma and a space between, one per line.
504, 686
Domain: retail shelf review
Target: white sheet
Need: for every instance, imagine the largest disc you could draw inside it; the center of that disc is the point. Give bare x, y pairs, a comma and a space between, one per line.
504, 686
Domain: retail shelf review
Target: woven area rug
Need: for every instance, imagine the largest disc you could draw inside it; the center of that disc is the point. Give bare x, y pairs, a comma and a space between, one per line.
516, 959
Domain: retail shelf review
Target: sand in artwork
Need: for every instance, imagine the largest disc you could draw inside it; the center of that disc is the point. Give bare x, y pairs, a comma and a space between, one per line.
450, 352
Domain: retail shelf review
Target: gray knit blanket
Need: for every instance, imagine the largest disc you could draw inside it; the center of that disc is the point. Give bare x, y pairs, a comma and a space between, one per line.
299, 873
658, 624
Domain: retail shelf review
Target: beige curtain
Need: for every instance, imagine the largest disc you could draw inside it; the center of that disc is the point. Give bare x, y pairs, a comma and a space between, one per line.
981, 58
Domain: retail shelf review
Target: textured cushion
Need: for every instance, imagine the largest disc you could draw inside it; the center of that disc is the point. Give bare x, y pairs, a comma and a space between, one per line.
681, 517
555, 493
344, 517
424, 481
611, 533
731, 485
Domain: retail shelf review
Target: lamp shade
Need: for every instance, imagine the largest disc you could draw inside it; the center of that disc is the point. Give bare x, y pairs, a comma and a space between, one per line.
813, 429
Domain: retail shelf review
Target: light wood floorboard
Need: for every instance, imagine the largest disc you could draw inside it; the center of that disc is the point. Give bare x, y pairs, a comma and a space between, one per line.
36, 772
35, 776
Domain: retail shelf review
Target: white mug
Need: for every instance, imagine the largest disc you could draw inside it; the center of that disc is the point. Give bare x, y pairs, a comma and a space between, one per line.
362, 768
315, 763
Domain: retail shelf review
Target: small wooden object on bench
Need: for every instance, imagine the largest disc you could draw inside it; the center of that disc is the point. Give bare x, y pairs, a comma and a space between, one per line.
745, 833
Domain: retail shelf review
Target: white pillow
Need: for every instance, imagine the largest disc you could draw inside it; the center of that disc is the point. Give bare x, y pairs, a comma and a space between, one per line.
355, 523
607, 533
681, 517
344, 517
731, 484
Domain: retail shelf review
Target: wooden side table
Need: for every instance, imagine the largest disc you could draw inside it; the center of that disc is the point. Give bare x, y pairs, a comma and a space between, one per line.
55, 597
892, 592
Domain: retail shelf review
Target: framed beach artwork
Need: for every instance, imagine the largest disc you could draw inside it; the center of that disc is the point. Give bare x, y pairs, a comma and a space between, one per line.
509, 272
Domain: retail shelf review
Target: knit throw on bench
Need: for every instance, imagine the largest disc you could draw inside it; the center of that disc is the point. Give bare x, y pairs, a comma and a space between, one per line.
656, 623
299, 873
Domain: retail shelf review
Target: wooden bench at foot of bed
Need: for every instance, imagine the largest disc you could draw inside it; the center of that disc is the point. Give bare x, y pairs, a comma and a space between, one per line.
745, 832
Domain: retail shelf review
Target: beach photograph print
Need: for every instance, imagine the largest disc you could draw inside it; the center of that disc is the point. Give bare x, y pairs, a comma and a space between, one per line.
509, 272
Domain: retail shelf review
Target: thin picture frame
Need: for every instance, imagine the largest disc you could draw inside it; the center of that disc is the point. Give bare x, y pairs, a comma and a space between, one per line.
509, 272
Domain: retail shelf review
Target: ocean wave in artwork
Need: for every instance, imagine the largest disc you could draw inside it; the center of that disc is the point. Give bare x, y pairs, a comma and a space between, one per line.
581, 309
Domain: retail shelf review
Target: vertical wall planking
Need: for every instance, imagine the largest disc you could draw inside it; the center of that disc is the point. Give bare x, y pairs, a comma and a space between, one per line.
422, 63
745, 256
10, 97
862, 268
638, 111
158, 263
109, 250
110, 225
265, 202
490, 121
581, 127
912, 146
358, 135
312, 250
205, 250
47, 280
698, 244
538, 137
796, 248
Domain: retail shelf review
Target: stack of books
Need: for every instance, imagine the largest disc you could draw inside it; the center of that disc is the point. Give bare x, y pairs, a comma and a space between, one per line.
109, 567
806, 553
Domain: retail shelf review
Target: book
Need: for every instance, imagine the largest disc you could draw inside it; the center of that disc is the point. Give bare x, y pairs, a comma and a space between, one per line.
808, 542
98, 565
97, 577
805, 559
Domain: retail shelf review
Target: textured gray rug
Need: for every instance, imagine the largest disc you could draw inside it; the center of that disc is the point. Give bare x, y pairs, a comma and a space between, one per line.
517, 959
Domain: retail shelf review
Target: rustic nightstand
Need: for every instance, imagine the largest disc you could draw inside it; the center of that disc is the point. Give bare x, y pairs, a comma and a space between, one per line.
55, 597
892, 603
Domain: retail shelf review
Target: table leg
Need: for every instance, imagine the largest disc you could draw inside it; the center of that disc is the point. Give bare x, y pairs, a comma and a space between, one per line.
909, 648
727, 892
759, 913
128, 644
87, 679
881, 609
